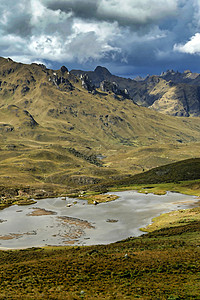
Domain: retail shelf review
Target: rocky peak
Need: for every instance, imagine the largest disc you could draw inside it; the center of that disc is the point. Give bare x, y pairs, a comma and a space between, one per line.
168, 72
63, 69
102, 71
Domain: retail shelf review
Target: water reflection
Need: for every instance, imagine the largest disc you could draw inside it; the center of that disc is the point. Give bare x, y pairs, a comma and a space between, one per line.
62, 222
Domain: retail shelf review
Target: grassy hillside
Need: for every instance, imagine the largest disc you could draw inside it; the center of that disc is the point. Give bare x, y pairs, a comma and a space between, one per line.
181, 171
53, 132
181, 177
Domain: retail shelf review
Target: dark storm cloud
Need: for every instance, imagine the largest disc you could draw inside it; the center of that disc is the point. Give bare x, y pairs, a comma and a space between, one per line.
80, 8
129, 12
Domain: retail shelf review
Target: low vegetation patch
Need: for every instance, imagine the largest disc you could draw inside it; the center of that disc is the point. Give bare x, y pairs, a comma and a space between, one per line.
96, 199
174, 219
163, 264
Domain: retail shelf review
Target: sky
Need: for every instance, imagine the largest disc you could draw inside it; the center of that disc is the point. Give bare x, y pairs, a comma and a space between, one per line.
129, 37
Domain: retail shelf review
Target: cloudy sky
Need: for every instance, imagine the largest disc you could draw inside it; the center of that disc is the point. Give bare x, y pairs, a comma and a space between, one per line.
129, 37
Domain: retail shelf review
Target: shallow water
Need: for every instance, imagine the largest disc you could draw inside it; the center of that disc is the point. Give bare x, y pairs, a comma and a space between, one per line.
83, 224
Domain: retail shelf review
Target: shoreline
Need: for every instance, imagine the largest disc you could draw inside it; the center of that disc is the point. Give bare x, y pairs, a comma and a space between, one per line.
144, 229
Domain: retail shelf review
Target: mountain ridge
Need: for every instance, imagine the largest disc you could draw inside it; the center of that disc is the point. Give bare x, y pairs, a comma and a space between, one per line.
172, 93
54, 130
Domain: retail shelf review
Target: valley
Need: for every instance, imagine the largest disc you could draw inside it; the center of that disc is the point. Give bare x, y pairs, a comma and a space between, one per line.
62, 136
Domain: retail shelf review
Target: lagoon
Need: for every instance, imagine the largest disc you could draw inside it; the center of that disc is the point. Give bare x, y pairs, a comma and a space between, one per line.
53, 222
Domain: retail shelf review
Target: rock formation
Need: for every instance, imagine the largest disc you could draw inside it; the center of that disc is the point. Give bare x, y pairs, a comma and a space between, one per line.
87, 84
107, 86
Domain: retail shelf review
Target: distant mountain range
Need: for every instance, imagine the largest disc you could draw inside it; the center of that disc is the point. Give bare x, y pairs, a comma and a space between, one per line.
172, 93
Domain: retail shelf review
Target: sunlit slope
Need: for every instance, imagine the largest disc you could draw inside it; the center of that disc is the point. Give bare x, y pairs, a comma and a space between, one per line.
54, 131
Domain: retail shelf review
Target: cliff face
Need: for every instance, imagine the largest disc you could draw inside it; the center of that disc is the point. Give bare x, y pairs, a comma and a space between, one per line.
172, 93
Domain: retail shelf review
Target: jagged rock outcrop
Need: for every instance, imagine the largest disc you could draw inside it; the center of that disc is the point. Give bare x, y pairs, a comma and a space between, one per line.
107, 86
30, 120
87, 84
96, 76
61, 82
177, 77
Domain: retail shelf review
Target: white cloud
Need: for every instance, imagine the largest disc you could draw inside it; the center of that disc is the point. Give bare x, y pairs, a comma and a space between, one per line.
47, 20
104, 30
86, 41
45, 46
191, 47
39, 33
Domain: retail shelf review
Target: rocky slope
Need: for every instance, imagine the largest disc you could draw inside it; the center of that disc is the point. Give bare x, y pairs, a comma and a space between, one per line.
172, 93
